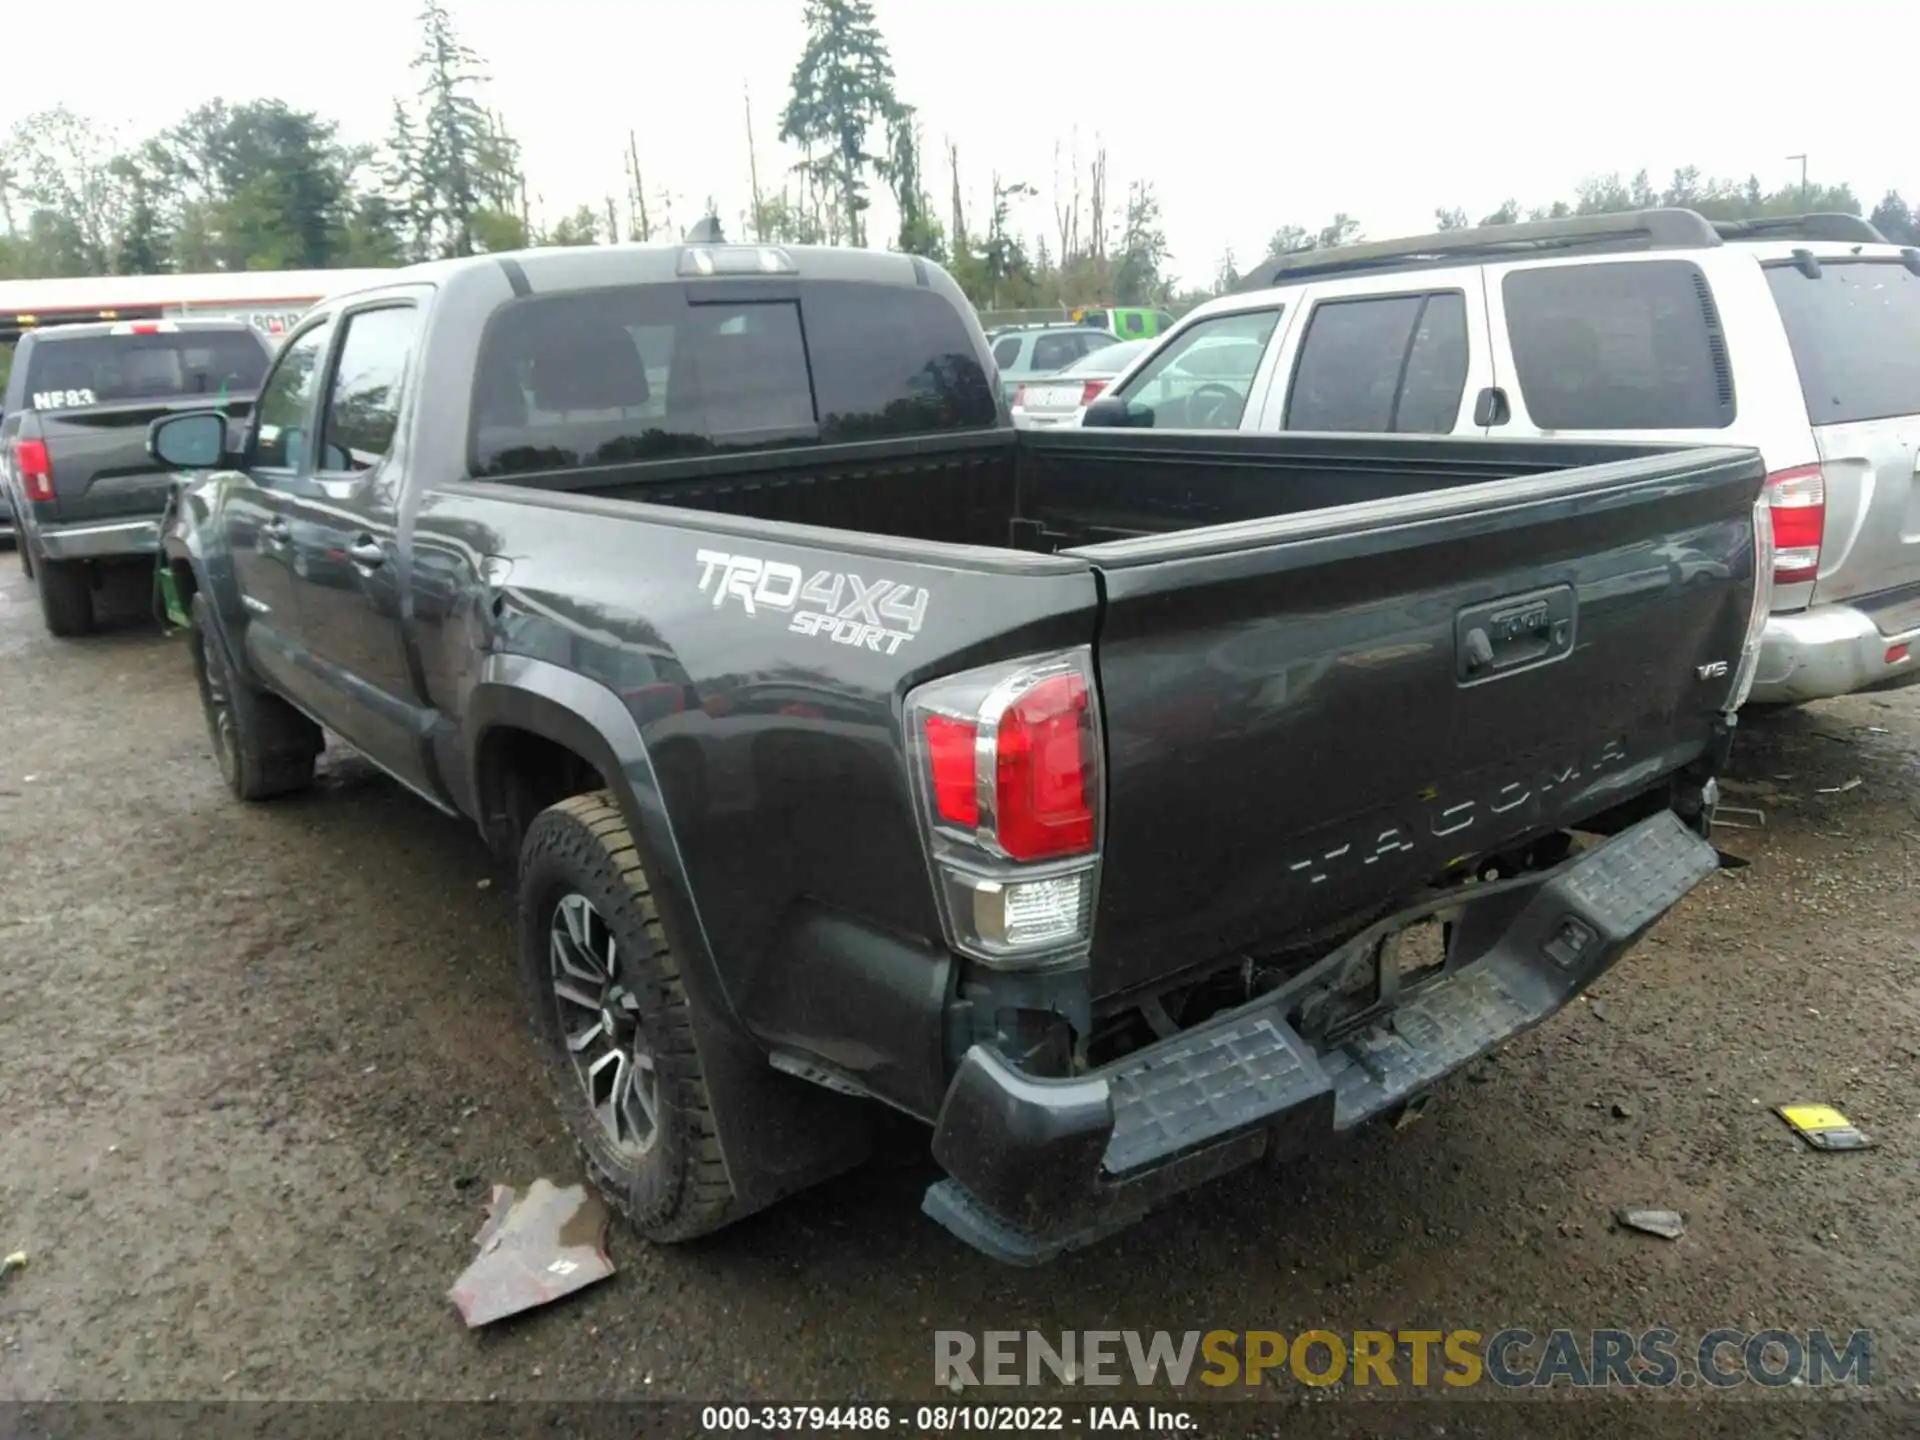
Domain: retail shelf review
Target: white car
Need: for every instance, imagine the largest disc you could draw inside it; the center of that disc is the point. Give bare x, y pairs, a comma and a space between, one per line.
1796, 336
1062, 397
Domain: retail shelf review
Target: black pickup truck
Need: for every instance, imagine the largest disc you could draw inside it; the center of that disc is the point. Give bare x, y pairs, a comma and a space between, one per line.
1127, 806
73, 441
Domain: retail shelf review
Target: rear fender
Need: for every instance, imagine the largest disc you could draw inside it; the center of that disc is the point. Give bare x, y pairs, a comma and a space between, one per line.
777, 1134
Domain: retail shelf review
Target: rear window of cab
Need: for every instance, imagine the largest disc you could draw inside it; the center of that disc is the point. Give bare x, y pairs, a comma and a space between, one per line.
639, 373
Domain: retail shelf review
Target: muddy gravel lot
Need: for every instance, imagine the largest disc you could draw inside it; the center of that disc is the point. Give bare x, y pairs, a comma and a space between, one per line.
260, 1065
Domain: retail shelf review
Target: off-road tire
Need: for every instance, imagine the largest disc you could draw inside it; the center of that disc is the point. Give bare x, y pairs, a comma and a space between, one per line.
677, 1189
264, 746
66, 595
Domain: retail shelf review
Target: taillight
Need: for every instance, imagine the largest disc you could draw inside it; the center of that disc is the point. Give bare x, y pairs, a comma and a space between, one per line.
1008, 777
1798, 500
36, 470
1019, 394
950, 751
1764, 574
1090, 391
1043, 759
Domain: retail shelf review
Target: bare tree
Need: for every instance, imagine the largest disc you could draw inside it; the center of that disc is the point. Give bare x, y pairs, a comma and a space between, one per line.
1097, 203
1062, 217
753, 168
639, 225
959, 206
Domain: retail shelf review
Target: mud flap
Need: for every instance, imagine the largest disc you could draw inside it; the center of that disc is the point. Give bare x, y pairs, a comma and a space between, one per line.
169, 609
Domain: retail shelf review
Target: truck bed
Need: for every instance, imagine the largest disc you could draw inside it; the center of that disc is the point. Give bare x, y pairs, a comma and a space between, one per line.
1048, 491
1280, 626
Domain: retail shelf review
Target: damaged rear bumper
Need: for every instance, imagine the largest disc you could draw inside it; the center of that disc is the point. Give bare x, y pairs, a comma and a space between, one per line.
1040, 1166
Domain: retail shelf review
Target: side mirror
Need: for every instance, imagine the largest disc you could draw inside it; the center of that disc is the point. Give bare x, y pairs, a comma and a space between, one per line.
195, 441
1110, 412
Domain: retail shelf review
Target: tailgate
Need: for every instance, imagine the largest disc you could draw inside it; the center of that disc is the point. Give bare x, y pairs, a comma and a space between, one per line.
1854, 327
1309, 717
1872, 538
101, 469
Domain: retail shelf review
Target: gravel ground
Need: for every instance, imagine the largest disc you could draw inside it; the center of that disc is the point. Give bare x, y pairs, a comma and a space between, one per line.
259, 1066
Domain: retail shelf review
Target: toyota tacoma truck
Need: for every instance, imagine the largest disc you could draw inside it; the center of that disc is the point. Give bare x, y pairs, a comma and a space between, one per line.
1128, 806
80, 483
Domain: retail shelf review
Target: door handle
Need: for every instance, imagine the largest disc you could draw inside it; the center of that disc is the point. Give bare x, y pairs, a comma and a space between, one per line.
277, 531
366, 551
1490, 408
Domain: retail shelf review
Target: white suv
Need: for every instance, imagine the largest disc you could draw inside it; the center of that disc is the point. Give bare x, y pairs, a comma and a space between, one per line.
1798, 336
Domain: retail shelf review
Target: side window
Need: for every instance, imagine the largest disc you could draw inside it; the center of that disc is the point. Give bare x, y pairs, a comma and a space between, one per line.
363, 404
1199, 380
1348, 373
1622, 345
279, 433
1436, 376
1006, 351
1390, 364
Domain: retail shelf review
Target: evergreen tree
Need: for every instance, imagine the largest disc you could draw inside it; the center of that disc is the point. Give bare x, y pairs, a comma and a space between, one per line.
842, 89
457, 166
1893, 218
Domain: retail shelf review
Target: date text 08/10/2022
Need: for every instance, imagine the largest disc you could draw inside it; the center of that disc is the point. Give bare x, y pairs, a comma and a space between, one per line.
942, 1419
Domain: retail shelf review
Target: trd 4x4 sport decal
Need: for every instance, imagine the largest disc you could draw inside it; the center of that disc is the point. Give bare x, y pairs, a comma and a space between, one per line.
848, 609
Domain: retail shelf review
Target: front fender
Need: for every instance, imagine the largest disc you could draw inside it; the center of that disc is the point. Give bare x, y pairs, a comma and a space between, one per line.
777, 1134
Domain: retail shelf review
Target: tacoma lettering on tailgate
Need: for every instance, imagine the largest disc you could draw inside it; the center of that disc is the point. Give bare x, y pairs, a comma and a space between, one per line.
879, 615
1440, 817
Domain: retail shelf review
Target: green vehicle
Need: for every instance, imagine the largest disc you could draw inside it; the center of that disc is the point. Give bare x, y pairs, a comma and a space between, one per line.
1126, 322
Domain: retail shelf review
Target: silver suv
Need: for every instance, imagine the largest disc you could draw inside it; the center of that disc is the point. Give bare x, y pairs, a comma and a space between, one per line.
1797, 336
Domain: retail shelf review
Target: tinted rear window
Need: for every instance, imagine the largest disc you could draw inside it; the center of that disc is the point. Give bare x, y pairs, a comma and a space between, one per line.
120, 368
1393, 363
1855, 333
1051, 352
1632, 345
613, 376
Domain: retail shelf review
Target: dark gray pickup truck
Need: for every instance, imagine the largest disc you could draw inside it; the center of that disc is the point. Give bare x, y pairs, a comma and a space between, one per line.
1127, 806
73, 441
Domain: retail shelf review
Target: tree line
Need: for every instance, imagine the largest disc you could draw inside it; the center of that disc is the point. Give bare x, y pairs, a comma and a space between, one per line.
259, 184
1716, 199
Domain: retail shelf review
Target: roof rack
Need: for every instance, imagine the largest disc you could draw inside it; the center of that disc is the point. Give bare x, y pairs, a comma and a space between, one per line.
1629, 230
1039, 325
1847, 229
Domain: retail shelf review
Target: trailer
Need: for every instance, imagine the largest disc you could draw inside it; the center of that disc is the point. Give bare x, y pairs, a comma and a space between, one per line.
271, 300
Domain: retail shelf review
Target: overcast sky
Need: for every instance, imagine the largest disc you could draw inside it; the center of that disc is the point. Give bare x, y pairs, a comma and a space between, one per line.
1245, 114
